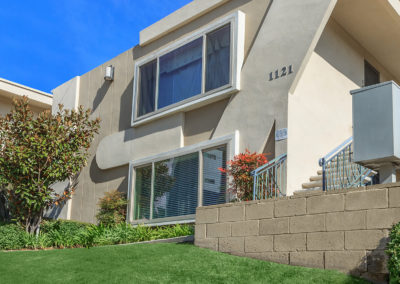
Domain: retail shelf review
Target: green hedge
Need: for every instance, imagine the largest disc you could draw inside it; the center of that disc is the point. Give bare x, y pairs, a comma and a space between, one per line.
394, 254
69, 234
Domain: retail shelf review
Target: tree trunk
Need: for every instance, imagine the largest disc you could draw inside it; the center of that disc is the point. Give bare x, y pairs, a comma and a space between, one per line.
33, 221
4, 211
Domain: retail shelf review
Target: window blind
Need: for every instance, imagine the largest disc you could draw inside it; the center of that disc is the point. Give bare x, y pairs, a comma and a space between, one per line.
214, 181
142, 193
176, 186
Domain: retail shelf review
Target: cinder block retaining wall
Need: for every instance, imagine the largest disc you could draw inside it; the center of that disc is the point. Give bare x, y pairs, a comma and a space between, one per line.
342, 230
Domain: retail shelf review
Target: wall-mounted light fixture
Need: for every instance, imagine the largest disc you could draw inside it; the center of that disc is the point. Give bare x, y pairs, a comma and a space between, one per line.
109, 73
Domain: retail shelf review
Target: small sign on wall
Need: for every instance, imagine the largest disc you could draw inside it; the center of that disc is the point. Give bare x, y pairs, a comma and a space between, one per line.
281, 134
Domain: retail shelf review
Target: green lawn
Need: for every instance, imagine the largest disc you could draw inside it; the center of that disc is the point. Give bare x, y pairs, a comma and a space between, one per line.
152, 263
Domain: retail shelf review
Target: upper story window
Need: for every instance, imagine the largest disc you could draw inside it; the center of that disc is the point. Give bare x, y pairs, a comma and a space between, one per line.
207, 64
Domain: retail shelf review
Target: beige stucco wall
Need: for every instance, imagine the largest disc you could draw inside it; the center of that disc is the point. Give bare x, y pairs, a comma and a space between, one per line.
320, 109
254, 111
112, 102
6, 105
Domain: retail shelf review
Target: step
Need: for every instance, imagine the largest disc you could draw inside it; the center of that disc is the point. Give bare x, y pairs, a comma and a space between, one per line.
312, 184
316, 178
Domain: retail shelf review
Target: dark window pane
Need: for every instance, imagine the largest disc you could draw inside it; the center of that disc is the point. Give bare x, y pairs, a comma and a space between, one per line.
180, 74
218, 58
142, 193
147, 88
176, 186
214, 181
371, 75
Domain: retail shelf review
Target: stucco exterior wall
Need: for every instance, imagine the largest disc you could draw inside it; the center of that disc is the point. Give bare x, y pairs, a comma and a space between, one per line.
342, 230
320, 109
112, 102
260, 105
6, 106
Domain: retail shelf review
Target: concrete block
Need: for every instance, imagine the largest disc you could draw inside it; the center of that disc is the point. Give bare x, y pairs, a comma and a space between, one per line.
258, 211
394, 197
278, 257
325, 203
200, 231
231, 244
325, 241
343, 221
245, 228
383, 218
274, 226
258, 244
218, 230
290, 207
209, 243
346, 261
366, 239
307, 259
367, 199
290, 242
204, 216
377, 261
231, 213
307, 223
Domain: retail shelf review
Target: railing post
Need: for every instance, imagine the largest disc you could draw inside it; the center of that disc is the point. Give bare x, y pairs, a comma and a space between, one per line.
254, 185
323, 175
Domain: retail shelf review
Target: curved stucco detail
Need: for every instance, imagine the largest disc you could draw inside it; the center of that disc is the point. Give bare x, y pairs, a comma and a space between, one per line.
122, 147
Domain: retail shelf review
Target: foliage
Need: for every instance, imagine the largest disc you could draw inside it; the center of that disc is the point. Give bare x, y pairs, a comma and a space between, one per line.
394, 254
112, 208
69, 234
37, 152
124, 233
11, 236
239, 169
154, 263
64, 234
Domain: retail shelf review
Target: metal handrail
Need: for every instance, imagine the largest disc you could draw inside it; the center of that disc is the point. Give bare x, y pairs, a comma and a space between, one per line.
339, 171
331, 154
270, 179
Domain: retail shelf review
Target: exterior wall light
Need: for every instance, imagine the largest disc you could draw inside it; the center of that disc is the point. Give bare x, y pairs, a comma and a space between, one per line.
109, 73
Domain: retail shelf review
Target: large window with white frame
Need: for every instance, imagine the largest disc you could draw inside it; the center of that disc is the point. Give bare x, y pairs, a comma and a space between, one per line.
171, 189
200, 65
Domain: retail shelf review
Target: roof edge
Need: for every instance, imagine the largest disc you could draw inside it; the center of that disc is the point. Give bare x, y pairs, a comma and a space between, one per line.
177, 19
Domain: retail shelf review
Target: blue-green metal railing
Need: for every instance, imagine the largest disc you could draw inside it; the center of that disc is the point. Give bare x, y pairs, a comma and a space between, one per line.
270, 179
339, 170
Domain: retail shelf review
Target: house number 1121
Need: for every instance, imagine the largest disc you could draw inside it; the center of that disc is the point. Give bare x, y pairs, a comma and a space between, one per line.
284, 71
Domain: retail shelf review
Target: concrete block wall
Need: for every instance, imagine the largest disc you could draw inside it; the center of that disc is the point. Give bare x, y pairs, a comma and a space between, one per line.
345, 230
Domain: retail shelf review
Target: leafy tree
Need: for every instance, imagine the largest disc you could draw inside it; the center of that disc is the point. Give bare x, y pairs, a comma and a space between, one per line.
38, 151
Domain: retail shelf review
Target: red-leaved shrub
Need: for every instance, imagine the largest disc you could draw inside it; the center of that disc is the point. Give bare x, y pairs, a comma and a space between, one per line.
239, 169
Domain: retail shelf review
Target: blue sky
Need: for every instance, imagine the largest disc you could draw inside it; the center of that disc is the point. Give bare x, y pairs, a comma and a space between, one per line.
45, 43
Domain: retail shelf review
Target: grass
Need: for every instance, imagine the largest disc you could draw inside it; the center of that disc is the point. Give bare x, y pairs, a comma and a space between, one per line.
152, 263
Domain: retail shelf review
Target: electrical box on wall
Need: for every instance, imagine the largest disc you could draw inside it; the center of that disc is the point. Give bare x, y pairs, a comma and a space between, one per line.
376, 125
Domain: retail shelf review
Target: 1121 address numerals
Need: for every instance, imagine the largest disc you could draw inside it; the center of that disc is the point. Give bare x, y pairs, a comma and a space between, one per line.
284, 71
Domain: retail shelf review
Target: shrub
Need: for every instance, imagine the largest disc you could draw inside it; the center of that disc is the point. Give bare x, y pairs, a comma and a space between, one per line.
12, 236
394, 254
63, 233
240, 169
69, 234
37, 152
112, 208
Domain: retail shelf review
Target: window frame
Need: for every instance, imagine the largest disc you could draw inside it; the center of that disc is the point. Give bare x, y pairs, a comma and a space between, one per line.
237, 30
232, 149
